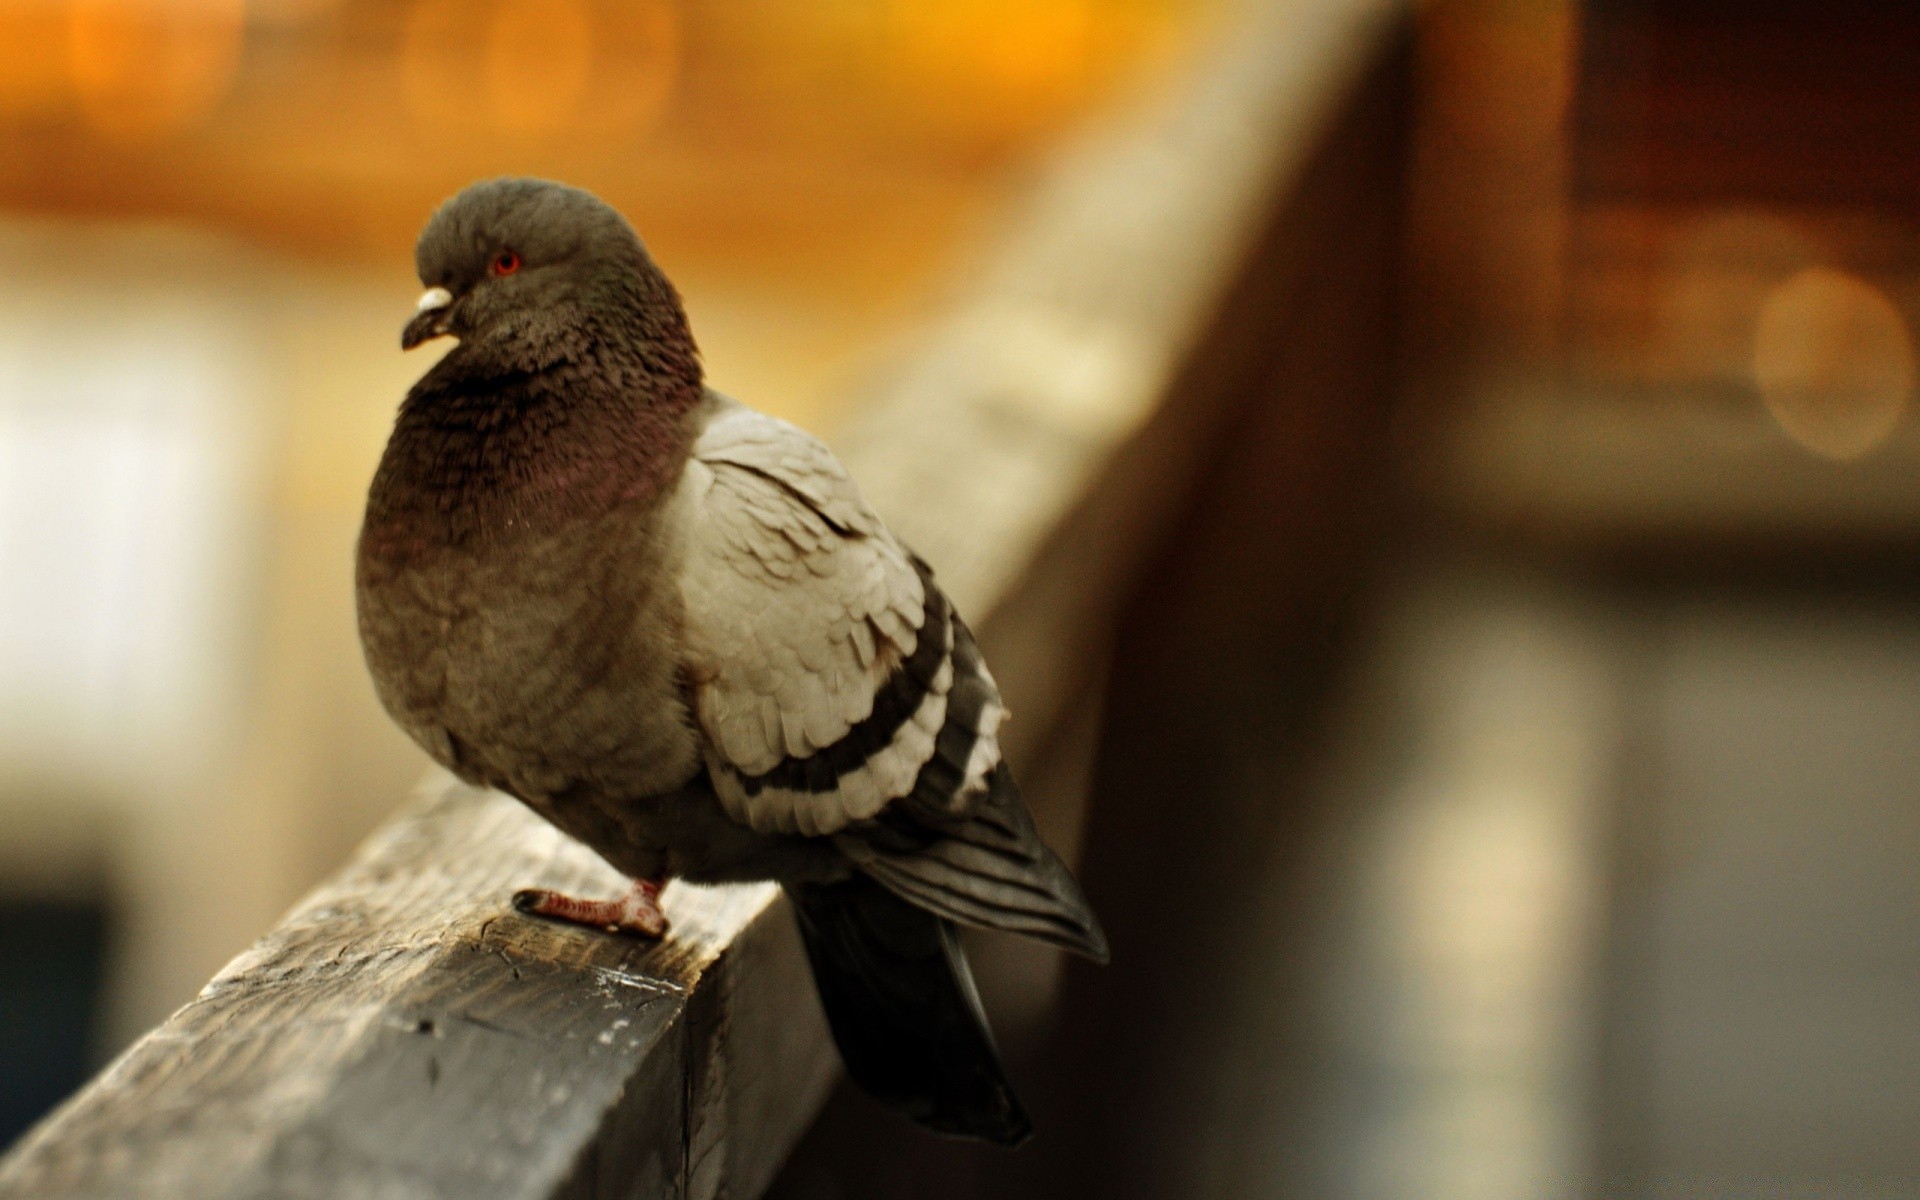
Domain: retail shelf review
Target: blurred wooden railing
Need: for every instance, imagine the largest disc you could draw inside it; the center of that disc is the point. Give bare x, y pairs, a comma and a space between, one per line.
403, 1032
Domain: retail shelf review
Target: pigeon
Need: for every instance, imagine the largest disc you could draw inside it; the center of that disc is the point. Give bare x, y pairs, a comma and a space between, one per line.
672, 627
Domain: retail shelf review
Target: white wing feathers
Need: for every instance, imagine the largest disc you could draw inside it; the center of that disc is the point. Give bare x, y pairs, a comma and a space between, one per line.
833, 681
739, 436
820, 656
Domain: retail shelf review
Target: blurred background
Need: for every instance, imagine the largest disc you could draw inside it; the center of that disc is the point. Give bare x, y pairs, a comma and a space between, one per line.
1506, 776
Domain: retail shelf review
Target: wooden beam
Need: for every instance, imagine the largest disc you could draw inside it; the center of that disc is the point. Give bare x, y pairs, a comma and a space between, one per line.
404, 1031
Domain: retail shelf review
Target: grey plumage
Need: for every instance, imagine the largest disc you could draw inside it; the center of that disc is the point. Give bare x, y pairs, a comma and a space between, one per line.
673, 627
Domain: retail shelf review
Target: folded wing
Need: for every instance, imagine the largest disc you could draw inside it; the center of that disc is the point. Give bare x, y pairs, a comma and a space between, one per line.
841, 696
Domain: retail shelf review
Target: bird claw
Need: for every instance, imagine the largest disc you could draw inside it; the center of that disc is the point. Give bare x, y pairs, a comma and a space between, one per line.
637, 912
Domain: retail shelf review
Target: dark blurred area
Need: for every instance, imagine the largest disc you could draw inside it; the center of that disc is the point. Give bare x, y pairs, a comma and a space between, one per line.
1505, 777
47, 1005
1505, 783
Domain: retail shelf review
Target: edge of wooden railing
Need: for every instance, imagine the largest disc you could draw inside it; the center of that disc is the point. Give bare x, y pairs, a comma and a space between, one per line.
403, 1032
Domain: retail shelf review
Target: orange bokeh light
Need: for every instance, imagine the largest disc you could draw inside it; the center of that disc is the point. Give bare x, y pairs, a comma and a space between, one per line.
1007, 63
147, 68
644, 38
1834, 362
33, 74
539, 60
535, 69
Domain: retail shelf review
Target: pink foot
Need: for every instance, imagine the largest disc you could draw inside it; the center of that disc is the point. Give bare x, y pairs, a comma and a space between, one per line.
636, 912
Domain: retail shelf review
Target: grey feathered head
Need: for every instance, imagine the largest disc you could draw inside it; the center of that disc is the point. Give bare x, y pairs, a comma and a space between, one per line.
513, 255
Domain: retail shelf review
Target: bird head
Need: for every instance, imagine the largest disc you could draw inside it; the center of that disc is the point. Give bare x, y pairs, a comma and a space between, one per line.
508, 256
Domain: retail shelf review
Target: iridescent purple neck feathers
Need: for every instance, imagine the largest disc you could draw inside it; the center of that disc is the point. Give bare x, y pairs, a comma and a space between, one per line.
528, 431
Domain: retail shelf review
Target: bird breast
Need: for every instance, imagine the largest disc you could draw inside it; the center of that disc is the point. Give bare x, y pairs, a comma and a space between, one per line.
538, 663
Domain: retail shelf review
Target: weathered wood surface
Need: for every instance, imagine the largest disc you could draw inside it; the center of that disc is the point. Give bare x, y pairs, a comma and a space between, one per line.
404, 1033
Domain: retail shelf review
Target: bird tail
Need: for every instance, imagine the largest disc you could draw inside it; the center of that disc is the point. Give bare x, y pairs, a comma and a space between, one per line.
903, 1009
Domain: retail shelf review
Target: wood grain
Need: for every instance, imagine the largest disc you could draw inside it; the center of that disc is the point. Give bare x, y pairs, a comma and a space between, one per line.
405, 1032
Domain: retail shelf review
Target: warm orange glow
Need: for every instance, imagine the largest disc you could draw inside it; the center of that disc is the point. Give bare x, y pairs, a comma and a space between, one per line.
538, 69
759, 126
1834, 362
538, 62
439, 57
146, 68
643, 38
33, 77
995, 62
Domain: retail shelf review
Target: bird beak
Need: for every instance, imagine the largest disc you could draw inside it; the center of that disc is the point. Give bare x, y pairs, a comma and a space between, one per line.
429, 318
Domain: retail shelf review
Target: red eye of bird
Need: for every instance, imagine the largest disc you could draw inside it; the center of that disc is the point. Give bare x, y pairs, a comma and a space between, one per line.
504, 263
